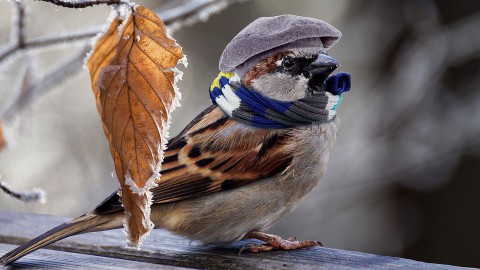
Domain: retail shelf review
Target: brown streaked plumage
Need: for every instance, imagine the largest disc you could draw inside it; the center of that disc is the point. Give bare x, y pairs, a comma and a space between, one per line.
263, 67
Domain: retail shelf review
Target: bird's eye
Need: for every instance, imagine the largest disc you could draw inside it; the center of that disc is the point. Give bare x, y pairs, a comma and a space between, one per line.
288, 63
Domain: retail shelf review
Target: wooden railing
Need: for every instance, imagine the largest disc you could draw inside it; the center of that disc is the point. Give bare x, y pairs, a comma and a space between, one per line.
105, 250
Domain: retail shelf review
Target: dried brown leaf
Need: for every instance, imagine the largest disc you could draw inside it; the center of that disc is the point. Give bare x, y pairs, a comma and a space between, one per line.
135, 95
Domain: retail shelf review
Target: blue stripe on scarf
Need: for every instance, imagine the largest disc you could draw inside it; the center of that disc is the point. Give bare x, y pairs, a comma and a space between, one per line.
223, 81
276, 105
248, 100
260, 103
215, 93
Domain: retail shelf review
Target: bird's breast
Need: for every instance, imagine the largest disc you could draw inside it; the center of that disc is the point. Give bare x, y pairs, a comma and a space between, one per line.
313, 146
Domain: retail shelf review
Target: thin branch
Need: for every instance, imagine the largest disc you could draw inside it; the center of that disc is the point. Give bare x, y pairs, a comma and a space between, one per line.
190, 12
83, 4
34, 196
20, 24
61, 38
43, 42
20, 102
31, 88
8, 51
17, 32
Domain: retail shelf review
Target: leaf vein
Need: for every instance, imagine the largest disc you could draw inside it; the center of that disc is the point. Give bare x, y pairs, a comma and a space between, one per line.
153, 89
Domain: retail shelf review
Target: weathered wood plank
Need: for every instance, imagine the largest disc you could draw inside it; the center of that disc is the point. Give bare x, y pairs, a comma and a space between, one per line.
166, 249
44, 258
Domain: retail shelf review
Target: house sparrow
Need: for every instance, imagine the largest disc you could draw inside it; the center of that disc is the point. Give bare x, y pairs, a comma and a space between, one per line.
229, 175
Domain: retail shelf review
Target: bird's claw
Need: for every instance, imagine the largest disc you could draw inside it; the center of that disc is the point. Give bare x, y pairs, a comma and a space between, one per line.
276, 242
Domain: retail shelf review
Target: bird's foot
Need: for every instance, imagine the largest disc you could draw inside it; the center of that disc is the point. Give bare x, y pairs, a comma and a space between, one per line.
273, 242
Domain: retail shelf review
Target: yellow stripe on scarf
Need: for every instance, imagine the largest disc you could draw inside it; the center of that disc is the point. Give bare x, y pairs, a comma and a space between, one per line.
216, 82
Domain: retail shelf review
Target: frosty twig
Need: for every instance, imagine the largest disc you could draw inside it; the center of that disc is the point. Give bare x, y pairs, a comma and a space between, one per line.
82, 4
33, 196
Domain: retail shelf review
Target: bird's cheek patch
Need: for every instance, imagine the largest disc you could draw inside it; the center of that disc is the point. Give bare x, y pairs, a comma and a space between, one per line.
281, 86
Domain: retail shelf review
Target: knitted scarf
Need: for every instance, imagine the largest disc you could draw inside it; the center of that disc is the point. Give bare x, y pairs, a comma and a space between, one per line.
250, 107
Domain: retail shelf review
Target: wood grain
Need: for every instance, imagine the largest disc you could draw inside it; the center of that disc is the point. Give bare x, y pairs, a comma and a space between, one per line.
43, 259
163, 248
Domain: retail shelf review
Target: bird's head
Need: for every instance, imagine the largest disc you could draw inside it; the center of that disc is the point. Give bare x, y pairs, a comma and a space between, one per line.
290, 75
276, 73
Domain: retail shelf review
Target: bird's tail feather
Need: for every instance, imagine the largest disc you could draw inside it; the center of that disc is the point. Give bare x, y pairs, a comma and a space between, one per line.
86, 223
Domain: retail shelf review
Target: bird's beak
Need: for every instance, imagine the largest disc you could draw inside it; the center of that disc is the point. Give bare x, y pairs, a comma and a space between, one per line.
320, 69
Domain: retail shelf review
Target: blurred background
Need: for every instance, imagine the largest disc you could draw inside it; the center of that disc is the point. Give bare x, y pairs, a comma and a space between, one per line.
404, 178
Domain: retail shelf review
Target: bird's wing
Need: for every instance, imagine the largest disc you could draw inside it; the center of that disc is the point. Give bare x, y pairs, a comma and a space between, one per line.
215, 153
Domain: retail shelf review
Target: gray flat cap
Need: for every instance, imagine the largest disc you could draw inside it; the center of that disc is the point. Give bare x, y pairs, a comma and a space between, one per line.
269, 35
